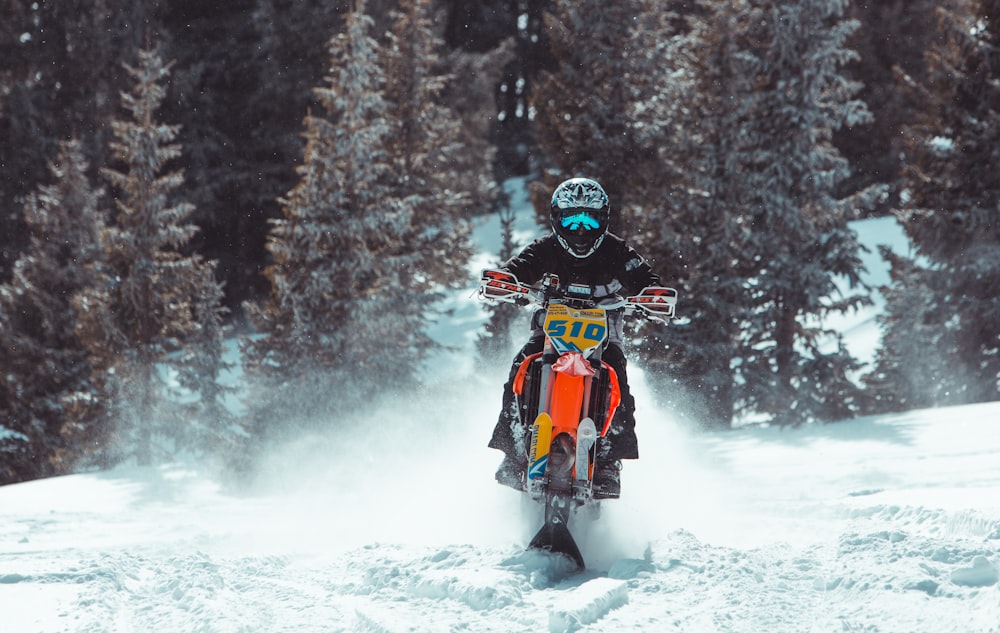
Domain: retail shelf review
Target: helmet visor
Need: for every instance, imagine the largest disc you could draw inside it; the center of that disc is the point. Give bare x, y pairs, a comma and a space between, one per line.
579, 219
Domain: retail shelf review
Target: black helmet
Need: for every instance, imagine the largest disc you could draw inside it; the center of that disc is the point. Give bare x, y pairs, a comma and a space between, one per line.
580, 215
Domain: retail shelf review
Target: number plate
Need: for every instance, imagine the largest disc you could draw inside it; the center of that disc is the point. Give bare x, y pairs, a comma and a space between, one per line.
575, 331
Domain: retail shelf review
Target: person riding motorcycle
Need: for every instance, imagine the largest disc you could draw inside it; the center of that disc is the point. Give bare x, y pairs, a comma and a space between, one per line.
580, 250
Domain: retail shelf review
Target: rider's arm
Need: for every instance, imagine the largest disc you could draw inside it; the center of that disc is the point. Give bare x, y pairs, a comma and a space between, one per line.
530, 265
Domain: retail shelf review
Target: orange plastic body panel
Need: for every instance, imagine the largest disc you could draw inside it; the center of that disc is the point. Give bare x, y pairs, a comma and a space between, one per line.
565, 406
567, 396
567, 401
522, 371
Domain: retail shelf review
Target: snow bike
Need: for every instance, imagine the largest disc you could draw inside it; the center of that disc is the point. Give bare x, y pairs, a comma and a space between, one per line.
568, 393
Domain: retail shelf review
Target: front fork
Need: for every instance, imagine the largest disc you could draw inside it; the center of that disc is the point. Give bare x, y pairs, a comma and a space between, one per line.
565, 469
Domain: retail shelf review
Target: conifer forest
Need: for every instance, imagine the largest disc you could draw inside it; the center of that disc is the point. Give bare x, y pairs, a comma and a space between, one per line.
178, 175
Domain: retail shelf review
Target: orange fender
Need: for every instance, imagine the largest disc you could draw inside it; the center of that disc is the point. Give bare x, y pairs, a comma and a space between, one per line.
567, 400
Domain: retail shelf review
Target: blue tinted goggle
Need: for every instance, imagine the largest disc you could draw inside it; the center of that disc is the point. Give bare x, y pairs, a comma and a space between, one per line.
576, 219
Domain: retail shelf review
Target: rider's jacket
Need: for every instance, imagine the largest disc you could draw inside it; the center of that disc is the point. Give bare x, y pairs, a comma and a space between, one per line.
613, 271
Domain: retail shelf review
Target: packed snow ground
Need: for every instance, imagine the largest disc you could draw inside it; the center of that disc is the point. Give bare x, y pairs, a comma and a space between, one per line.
882, 525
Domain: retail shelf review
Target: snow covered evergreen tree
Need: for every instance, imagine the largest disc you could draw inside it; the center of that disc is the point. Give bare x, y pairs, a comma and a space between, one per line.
911, 372
426, 154
46, 369
792, 96
344, 320
945, 301
212, 428
374, 231
740, 207
686, 220
153, 301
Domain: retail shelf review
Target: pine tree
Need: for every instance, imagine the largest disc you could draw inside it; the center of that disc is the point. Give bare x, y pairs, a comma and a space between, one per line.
912, 366
148, 308
685, 219
214, 428
46, 367
332, 332
427, 155
799, 242
373, 232
951, 212
740, 207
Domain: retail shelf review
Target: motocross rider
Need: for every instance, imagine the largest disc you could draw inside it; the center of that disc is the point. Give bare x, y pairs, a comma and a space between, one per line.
579, 250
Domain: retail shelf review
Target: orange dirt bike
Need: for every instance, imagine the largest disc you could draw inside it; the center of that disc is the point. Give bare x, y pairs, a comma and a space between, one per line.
566, 394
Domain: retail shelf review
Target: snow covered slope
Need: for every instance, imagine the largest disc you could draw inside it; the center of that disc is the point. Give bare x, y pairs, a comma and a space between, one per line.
885, 524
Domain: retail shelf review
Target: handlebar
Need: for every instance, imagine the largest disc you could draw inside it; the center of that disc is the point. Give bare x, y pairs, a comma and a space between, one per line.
656, 303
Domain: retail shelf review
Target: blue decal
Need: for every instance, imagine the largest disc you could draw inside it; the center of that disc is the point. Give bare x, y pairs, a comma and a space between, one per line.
537, 469
563, 346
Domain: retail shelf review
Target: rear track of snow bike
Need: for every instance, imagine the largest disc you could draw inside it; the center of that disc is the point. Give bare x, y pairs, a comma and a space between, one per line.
560, 501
